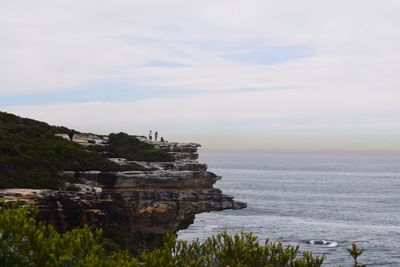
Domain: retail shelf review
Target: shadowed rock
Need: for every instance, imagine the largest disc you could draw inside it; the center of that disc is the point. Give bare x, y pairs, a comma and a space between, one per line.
143, 204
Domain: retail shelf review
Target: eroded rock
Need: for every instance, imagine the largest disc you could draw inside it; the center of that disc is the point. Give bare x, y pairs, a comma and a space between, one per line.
143, 204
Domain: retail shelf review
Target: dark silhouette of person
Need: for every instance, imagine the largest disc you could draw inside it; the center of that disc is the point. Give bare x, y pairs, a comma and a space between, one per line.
155, 136
71, 135
150, 135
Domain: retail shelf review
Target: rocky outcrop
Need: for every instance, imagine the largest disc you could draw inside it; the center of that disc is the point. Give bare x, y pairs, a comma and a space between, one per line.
142, 204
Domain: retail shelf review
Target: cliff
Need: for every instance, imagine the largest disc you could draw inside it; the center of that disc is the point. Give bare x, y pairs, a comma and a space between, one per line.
144, 205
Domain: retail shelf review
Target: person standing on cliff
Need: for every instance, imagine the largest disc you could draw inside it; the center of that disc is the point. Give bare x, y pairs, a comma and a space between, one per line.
150, 136
71, 135
155, 136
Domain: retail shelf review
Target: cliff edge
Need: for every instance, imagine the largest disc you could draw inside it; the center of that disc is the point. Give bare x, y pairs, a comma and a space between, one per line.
145, 205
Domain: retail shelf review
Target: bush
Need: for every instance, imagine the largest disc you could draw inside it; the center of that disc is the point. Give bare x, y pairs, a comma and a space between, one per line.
223, 250
31, 156
122, 145
24, 242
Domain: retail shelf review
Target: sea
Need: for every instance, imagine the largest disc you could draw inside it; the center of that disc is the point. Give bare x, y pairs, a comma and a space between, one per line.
321, 201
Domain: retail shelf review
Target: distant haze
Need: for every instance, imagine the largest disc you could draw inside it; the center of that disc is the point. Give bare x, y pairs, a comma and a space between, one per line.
232, 75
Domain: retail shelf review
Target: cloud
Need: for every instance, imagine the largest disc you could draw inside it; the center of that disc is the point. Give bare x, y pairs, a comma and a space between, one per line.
209, 67
49, 46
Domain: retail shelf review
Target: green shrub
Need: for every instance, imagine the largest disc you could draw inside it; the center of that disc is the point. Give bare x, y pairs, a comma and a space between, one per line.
122, 145
355, 253
31, 156
223, 250
26, 242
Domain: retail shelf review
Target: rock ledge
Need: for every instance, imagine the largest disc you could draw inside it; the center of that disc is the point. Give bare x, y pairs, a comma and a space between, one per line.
143, 204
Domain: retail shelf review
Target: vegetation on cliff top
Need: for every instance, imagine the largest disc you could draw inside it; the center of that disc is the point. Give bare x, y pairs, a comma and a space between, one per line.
122, 145
31, 156
25, 242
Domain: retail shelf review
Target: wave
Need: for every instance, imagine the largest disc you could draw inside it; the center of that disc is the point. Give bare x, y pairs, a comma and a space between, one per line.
327, 243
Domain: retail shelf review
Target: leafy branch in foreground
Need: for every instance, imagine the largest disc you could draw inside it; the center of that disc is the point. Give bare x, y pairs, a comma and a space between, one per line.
356, 252
26, 242
223, 250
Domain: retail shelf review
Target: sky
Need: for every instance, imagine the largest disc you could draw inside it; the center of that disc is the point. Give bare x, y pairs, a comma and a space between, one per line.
229, 74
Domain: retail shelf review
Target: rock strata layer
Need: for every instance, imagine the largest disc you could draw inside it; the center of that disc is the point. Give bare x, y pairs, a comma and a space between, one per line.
145, 205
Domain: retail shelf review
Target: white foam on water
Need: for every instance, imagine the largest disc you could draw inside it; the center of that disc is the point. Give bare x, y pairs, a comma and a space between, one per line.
327, 243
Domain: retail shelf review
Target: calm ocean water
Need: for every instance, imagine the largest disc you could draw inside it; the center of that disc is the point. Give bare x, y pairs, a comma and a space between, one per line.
300, 198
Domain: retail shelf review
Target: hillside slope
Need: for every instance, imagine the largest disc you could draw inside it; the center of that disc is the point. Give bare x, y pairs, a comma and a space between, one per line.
31, 156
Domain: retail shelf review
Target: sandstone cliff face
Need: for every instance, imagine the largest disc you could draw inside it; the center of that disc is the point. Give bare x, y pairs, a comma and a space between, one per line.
143, 204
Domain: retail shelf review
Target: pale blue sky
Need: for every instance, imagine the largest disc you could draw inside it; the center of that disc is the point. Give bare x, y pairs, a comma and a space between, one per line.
116, 91
269, 55
239, 75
